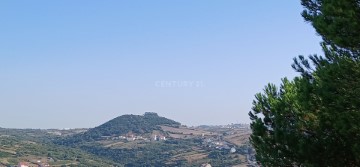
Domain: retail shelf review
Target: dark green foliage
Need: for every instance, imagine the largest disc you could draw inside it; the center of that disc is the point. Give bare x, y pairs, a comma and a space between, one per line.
313, 120
275, 132
334, 101
337, 21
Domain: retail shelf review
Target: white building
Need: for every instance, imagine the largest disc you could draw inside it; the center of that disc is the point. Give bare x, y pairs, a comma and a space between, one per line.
23, 164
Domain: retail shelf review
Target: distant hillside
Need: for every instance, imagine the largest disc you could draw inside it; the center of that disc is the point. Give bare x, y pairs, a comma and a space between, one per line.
136, 124
151, 140
31, 146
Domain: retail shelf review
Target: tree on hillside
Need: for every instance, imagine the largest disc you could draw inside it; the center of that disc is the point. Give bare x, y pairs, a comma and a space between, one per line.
313, 120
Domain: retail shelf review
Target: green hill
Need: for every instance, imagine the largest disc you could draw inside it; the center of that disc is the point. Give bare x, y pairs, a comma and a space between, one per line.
32, 145
136, 124
182, 146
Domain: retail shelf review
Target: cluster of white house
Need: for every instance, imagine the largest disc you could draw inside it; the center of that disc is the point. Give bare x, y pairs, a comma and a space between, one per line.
218, 144
132, 137
34, 164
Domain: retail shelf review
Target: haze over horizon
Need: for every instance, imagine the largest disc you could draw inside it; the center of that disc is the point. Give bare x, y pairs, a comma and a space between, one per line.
75, 64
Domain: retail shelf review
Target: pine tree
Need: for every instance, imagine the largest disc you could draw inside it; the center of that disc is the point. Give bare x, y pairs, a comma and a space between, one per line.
337, 21
314, 119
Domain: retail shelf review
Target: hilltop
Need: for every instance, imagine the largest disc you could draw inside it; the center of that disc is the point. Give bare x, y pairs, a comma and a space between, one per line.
137, 124
122, 125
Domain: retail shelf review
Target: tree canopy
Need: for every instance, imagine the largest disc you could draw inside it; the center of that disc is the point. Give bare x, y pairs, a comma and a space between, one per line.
313, 120
337, 21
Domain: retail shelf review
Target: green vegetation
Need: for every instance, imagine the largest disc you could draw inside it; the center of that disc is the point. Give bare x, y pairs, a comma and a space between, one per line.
72, 148
14, 149
222, 158
337, 21
151, 154
312, 120
103, 141
136, 124
167, 153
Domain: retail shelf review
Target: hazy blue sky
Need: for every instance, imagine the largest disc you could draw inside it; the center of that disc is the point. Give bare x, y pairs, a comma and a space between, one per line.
67, 64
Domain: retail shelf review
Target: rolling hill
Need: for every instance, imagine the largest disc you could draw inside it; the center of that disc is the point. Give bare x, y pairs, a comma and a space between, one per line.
137, 124
131, 140
127, 140
125, 124
34, 147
